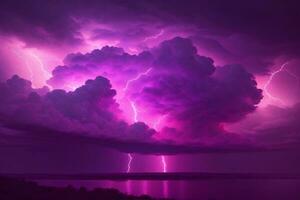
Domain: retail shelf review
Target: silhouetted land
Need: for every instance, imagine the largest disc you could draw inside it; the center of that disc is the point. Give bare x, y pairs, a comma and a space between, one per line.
155, 176
16, 189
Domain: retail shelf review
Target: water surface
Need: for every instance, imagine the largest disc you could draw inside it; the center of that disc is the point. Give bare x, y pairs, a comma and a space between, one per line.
196, 189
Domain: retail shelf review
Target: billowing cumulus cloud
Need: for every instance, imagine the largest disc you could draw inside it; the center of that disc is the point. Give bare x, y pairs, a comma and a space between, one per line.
89, 110
195, 96
111, 62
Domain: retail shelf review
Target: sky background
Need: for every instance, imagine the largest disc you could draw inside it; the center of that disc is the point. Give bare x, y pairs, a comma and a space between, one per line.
95, 86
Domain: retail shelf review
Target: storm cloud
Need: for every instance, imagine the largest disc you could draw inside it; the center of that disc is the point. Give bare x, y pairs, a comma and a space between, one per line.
203, 61
194, 94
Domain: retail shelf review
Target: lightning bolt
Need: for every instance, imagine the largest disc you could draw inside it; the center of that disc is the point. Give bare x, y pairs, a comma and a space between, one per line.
135, 119
130, 157
271, 77
30, 58
129, 162
46, 74
41, 64
134, 109
164, 163
163, 159
161, 32
136, 78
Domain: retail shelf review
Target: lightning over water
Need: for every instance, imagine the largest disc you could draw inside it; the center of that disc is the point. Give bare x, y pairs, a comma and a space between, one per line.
129, 162
134, 109
135, 119
163, 159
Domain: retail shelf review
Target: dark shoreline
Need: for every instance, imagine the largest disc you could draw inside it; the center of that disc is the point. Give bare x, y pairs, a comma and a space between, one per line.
19, 189
154, 176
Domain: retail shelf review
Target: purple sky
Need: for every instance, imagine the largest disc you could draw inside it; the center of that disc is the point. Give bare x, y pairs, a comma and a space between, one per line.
211, 84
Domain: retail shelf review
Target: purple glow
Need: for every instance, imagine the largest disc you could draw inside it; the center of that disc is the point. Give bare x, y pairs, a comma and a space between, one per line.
158, 122
267, 84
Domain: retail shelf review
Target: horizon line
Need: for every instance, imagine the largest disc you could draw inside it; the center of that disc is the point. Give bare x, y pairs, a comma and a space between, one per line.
150, 176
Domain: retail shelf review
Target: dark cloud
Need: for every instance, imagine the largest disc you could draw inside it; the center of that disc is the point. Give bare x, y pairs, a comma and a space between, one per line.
193, 93
90, 114
90, 109
269, 22
52, 23
257, 32
39, 23
40, 137
255, 57
280, 127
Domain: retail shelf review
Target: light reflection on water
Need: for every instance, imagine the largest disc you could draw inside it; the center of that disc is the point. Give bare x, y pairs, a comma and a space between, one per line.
200, 189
